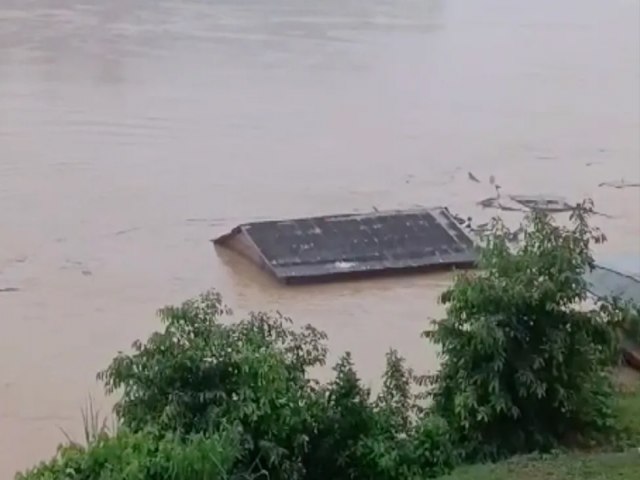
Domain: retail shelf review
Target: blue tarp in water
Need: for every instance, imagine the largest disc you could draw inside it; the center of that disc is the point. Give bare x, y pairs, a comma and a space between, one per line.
617, 276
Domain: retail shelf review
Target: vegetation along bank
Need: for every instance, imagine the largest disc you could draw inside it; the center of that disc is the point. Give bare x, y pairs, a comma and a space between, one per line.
527, 380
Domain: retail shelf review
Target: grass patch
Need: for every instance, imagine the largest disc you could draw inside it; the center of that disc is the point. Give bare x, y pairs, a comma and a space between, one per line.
628, 409
576, 466
604, 466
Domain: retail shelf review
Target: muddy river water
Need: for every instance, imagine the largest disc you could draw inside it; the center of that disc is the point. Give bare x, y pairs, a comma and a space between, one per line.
133, 132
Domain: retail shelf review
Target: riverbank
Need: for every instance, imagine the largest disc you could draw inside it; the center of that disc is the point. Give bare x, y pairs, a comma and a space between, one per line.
598, 465
619, 463
621, 466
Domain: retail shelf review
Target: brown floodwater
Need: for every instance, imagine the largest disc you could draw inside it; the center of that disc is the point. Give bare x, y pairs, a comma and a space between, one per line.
133, 132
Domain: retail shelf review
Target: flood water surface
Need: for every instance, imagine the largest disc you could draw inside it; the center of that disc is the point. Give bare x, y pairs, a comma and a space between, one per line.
131, 133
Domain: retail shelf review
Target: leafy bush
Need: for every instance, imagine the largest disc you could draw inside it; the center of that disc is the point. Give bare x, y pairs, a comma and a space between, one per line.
202, 373
524, 368
423, 451
384, 439
347, 418
404, 443
144, 456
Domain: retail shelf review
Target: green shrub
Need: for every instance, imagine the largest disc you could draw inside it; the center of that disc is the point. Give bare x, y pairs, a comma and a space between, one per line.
347, 418
385, 439
144, 456
201, 373
523, 367
423, 451
204, 372
405, 443
346, 435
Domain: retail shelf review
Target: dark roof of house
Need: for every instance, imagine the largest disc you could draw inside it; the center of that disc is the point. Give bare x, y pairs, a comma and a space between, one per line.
322, 247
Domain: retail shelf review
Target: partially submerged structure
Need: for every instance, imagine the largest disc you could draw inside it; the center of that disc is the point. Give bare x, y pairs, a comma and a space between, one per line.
321, 248
551, 204
616, 276
619, 278
528, 203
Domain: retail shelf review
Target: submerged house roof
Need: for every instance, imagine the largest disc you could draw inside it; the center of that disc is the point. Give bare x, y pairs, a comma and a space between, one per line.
317, 248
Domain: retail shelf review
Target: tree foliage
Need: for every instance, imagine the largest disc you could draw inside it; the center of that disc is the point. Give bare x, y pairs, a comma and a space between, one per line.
524, 365
203, 372
387, 438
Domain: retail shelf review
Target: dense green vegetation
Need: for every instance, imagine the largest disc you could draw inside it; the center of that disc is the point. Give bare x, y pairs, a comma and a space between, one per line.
523, 370
145, 455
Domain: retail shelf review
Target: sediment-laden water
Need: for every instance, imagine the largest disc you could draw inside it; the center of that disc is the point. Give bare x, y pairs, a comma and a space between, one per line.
133, 132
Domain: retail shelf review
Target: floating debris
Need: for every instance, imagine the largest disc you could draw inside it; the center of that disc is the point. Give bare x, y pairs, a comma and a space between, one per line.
482, 229
543, 203
619, 184
322, 248
9, 289
527, 203
472, 177
125, 231
500, 204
